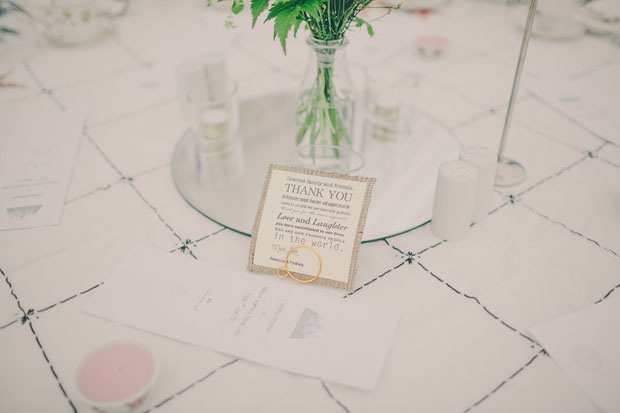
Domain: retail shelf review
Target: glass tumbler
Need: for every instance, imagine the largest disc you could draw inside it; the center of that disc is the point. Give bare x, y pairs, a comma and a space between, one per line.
215, 126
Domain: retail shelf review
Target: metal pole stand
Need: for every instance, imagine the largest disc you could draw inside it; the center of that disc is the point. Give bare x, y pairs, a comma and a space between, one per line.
510, 172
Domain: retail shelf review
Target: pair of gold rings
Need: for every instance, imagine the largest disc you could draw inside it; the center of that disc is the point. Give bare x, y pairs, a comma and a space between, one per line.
288, 273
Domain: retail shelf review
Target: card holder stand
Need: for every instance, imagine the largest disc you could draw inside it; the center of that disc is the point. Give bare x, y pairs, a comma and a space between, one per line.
288, 272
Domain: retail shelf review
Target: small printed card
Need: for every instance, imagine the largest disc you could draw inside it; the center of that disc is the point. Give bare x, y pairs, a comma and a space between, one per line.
323, 212
286, 326
37, 151
586, 345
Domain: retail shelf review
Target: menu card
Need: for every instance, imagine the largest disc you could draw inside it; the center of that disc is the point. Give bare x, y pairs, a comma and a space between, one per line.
287, 326
586, 344
37, 151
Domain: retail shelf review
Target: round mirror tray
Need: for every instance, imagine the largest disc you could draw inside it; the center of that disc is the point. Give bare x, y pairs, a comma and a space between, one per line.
227, 187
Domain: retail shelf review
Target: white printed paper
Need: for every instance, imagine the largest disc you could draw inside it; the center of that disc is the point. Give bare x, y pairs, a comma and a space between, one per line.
259, 318
591, 98
37, 152
586, 344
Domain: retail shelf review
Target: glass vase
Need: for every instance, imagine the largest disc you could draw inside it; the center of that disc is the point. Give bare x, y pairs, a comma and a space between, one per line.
325, 100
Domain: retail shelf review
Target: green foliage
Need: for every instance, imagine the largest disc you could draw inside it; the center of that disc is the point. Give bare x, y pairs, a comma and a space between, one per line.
289, 14
237, 6
7, 7
229, 23
312, 8
361, 22
326, 19
284, 21
258, 7
296, 26
10, 6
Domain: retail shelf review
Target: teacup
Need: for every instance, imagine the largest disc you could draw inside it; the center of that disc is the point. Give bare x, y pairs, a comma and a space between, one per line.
72, 22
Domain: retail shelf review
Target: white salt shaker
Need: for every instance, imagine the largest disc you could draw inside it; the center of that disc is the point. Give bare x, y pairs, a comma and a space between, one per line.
455, 196
485, 161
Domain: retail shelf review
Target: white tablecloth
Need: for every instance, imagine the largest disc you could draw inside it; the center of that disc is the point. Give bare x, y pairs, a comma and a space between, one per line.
550, 245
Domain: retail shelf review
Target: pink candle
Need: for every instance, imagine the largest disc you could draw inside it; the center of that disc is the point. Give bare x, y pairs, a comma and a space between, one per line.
117, 376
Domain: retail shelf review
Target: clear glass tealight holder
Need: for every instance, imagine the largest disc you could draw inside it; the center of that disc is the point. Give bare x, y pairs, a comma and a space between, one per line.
388, 104
388, 113
215, 125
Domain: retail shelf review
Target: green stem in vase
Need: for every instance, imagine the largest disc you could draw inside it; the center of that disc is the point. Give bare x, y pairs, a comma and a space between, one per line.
319, 112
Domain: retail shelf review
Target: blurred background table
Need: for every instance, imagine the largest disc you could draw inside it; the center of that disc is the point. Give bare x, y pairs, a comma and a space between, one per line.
550, 246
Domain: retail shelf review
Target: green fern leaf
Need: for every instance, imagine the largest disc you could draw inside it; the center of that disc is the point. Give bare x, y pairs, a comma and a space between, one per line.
312, 7
258, 7
285, 13
279, 7
296, 26
284, 23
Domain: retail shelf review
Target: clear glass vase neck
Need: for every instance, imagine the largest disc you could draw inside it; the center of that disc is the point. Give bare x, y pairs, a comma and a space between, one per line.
327, 50
327, 44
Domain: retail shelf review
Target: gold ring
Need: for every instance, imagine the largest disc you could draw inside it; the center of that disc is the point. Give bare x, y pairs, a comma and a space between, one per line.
288, 272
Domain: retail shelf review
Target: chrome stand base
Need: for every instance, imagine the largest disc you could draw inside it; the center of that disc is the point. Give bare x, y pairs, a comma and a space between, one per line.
509, 173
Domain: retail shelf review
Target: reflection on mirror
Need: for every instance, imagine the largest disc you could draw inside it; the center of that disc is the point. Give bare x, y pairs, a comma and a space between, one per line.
228, 190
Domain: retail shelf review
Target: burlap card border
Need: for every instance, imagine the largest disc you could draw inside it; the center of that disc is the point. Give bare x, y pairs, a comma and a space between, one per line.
348, 286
